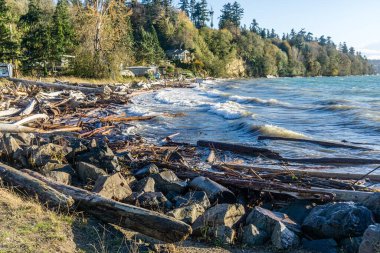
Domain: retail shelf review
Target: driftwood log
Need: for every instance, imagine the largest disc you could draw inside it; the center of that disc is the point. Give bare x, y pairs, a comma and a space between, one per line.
300, 173
59, 86
240, 149
326, 144
334, 161
147, 222
33, 187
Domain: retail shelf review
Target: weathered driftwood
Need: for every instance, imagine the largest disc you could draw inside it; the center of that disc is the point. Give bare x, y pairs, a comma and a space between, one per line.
29, 109
126, 119
326, 144
334, 161
13, 128
9, 112
32, 118
147, 222
299, 173
215, 191
58, 86
240, 149
34, 187
292, 190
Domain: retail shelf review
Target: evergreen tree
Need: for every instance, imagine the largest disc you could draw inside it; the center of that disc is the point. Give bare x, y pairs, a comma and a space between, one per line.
36, 42
201, 14
254, 27
344, 48
185, 6
231, 14
322, 41
237, 13
351, 51
62, 30
192, 9
6, 43
150, 49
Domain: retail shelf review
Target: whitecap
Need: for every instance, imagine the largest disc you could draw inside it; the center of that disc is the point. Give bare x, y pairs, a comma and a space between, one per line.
229, 110
272, 101
276, 131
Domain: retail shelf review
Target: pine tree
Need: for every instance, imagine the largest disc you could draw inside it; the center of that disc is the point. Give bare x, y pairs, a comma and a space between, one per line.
226, 16
192, 9
62, 30
237, 14
151, 51
185, 6
255, 27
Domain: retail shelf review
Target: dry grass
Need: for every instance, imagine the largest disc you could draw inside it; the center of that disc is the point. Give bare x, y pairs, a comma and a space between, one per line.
26, 226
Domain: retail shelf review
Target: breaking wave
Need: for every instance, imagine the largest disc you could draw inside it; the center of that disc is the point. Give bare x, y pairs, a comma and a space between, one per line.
272, 101
276, 131
229, 110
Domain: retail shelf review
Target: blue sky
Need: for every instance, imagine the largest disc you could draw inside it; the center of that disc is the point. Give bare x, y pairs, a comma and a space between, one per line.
356, 22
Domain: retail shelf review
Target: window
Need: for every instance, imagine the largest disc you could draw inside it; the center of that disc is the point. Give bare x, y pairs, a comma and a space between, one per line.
3, 71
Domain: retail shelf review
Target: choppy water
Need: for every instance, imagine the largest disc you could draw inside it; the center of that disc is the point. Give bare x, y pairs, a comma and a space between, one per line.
335, 109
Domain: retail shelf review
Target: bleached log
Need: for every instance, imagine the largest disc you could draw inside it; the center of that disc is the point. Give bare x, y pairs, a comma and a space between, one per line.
147, 222
29, 109
32, 118
11, 128
9, 112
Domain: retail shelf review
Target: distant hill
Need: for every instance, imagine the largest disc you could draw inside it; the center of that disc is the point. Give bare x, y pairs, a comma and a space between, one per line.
376, 65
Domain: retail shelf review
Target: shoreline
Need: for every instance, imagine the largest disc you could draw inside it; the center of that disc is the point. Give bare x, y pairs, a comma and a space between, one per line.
76, 139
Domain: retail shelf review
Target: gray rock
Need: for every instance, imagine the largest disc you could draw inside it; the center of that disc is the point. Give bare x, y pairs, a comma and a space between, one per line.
215, 192
88, 172
102, 157
57, 167
224, 234
371, 240
351, 245
298, 210
196, 197
167, 181
48, 152
220, 215
337, 220
145, 185
60, 177
372, 203
147, 171
132, 199
187, 214
112, 187
252, 236
266, 220
320, 246
283, 238
154, 201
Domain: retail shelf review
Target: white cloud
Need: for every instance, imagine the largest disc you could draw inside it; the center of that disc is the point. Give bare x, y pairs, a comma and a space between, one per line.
372, 54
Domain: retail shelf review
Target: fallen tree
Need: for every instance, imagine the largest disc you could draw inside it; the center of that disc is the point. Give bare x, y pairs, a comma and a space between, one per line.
147, 222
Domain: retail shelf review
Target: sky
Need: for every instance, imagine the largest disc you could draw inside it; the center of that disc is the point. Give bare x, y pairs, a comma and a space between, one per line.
356, 22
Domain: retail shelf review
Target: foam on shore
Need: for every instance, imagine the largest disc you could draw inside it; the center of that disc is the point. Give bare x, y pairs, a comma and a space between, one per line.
276, 131
229, 110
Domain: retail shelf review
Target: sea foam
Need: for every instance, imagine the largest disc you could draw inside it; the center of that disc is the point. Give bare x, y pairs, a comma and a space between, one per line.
229, 110
272, 101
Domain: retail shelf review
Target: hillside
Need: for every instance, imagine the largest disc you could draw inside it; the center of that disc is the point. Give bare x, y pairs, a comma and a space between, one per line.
97, 39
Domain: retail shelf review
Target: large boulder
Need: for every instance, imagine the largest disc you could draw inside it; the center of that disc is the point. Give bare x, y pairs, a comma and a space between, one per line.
220, 215
337, 220
320, 246
297, 210
372, 203
88, 172
145, 185
146, 171
196, 197
59, 176
215, 192
167, 181
101, 156
187, 214
47, 153
252, 236
283, 238
112, 187
154, 201
224, 234
266, 220
57, 167
371, 240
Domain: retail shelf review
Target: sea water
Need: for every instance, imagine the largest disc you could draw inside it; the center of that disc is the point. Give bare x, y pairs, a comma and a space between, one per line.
238, 111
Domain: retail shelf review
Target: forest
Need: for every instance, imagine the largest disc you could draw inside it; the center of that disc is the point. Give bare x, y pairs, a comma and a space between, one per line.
102, 37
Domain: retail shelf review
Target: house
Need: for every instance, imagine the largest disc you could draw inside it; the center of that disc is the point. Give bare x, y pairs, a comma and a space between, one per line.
181, 55
142, 70
6, 70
